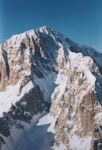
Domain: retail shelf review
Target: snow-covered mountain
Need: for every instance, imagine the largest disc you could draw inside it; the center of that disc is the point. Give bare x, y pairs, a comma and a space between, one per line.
50, 93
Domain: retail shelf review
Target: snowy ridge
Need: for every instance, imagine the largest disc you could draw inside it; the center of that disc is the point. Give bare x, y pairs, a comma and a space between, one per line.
76, 63
12, 95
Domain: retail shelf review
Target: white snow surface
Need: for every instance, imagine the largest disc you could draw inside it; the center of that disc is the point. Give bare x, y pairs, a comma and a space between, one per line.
80, 144
46, 85
60, 147
11, 95
83, 63
48, 119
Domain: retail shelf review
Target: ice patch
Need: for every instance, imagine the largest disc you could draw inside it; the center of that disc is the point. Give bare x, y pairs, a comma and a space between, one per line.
48, 119
80, 144
11, 96
60, 147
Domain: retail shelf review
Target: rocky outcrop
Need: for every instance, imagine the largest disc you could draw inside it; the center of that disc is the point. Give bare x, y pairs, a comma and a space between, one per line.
75, 105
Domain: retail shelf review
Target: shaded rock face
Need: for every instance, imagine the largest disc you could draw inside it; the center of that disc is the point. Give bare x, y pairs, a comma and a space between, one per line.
4, 70
59, 69
30, 55
29, 105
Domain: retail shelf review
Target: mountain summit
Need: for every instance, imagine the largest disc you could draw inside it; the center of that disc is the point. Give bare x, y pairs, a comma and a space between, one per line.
50, 93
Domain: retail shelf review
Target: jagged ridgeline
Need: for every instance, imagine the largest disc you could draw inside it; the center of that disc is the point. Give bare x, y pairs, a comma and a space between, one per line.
45, 75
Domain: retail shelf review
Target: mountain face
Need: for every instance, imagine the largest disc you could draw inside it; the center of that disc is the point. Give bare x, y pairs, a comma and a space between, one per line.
50, 93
